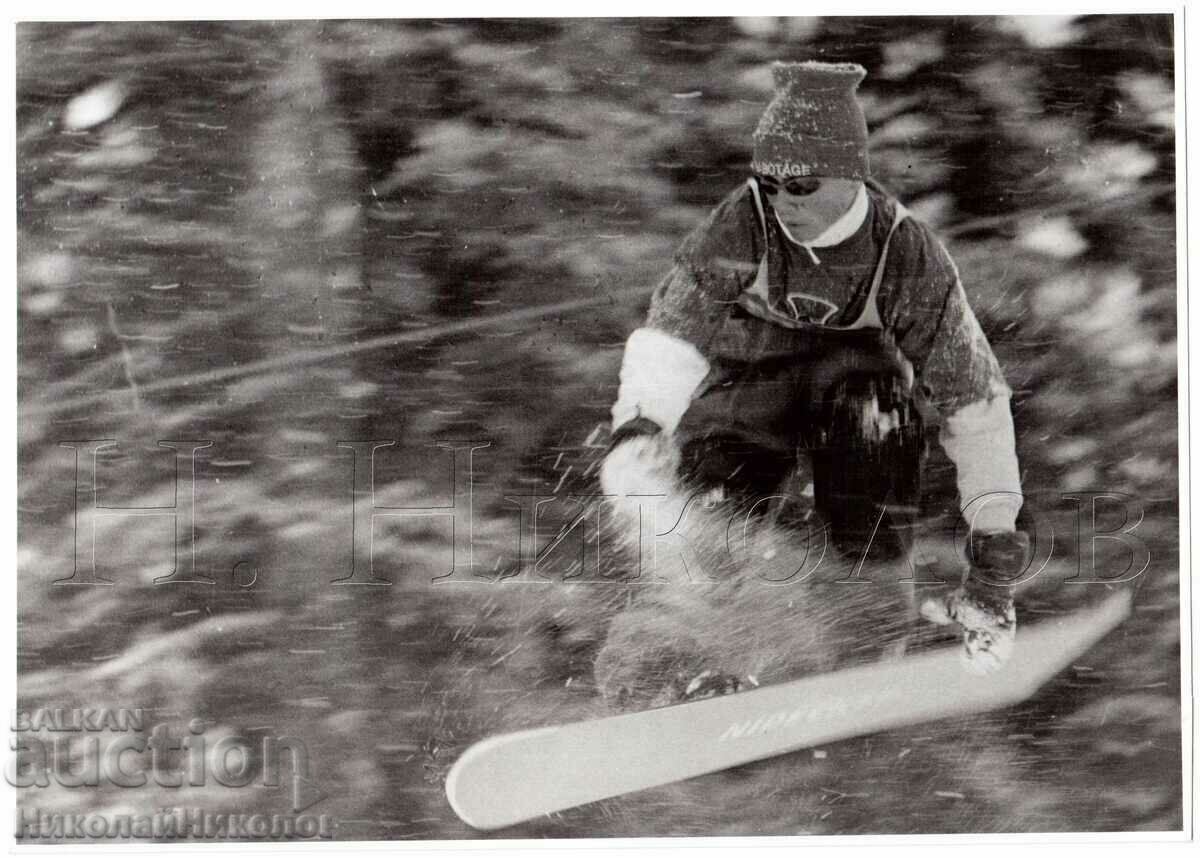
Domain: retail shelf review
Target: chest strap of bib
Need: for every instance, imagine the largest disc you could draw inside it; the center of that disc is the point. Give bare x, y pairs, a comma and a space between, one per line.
870, 317
758, 206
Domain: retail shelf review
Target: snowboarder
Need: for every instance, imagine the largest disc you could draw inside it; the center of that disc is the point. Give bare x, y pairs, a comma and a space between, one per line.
795, 343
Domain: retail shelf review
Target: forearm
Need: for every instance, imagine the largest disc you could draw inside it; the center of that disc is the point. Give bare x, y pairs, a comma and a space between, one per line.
980, 441
660, 373
942, 337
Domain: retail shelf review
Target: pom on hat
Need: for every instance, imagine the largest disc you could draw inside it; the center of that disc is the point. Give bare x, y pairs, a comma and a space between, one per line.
814, 125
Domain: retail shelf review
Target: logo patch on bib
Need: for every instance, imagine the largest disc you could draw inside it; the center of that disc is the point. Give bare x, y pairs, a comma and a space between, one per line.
810, 308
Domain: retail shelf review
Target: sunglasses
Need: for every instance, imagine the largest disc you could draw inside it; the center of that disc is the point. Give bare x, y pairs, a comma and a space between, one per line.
800, 186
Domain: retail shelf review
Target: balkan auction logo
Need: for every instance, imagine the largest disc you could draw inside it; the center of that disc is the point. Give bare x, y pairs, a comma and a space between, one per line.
93, 747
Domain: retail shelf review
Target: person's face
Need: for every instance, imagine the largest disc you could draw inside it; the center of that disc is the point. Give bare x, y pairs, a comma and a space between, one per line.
809, 205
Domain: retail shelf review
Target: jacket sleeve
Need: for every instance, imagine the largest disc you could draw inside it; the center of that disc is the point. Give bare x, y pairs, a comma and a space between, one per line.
937, 330
666, 359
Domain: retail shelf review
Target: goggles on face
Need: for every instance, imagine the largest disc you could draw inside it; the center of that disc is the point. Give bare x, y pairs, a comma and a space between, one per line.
799, 186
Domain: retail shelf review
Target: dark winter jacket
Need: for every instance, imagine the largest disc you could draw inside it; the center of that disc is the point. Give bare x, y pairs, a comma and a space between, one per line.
697, 316
921, 300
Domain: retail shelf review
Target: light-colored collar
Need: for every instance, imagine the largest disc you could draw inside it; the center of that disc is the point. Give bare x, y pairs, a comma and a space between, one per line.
840, 229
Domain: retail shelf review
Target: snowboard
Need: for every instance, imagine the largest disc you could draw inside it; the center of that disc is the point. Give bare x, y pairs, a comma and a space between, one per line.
518, 776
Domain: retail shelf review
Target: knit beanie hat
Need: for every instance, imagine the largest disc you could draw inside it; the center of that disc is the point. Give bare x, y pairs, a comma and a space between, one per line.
814, 126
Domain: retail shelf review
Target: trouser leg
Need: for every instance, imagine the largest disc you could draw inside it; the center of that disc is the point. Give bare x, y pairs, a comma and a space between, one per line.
763, 430
742, 468
867, 457
739, 434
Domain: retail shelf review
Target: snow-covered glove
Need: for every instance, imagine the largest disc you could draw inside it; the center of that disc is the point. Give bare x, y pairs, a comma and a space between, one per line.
988, 621
642, 460
983, 606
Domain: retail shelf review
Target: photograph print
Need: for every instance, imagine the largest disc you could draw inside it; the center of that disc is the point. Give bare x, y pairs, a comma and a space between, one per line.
590, 428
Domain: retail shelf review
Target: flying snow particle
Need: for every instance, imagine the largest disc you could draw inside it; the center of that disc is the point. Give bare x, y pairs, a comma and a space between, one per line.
1152, 94
1108, 170
760, 27
78, 339
1060, 295
339, 219
1056, 237
1043, 31
904, 57
357, 389
43, 303
48, 269
94, 106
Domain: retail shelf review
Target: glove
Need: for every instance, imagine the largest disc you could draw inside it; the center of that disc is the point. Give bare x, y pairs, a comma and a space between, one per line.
983, 606
636, 428
998, 557
642, 460
988, 621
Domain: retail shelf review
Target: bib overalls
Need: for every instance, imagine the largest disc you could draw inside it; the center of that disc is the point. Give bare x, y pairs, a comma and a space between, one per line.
825, 415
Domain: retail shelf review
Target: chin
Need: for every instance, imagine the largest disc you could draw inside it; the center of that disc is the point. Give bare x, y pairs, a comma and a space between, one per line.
804, 231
